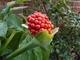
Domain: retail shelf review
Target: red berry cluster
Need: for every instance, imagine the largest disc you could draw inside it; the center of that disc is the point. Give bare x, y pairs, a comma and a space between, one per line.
38, 22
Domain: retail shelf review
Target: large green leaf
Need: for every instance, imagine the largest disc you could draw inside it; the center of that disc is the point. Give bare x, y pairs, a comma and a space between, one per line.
3, 29
46, 52
14, 44
27, 55
36, 53
14, 22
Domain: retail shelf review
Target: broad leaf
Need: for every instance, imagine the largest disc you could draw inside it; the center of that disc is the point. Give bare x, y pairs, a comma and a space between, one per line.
14, 44
18, 8
10, 4
28, 55
3, 29
36, 53
46, 52
4, 13
14, 22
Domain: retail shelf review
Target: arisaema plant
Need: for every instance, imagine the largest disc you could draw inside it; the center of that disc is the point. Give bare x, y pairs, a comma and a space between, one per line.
20, 41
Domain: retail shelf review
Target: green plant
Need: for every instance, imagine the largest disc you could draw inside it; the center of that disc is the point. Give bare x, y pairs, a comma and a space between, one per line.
16, 42
66, 42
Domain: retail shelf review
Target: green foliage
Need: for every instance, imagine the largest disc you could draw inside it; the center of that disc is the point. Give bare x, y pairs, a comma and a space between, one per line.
69, 33
47, 39
37, 53
3, 29
14, 22
16, 43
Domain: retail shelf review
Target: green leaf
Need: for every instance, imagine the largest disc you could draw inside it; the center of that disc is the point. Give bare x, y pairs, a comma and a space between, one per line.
45, 53
14, 22
7, 42
28, 55
14, 44
44, 37
4, 13
10, 4
3, 29
26, 40
17, 8
22, 49
38, 53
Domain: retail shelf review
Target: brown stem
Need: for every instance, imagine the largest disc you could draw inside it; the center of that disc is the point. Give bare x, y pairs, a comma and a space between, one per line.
45, 7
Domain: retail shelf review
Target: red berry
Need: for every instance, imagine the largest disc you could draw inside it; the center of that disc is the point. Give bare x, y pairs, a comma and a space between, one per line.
47, 22
49, 26
32, 30
29, 24
46, 26
37, 26
32, 20
49, 30
33, 25
52, 26
39, 22
41, 29
42, 25
36, 31
36, 21
33, 16
39, 18
42, 16
29, 28
36, 14
28, 18
43, 21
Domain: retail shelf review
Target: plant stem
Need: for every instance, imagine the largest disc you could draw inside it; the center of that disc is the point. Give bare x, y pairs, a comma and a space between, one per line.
7, 42
45, 7
17, 52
